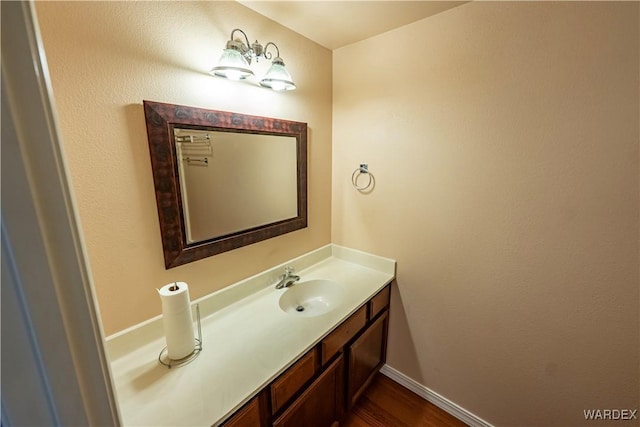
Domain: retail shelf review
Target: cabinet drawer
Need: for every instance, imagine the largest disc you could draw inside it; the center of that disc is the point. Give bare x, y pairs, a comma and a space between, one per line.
343, 333
379, 302
292, 380
248, 416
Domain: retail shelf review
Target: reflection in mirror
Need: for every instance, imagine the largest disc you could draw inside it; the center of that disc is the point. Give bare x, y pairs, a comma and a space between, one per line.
234, 181
224, 180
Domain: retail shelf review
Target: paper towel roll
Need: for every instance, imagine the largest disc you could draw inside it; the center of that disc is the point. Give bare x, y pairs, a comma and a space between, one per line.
177, 320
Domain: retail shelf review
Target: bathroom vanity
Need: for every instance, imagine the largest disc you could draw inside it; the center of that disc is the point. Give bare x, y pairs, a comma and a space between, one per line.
262, 363
312, 392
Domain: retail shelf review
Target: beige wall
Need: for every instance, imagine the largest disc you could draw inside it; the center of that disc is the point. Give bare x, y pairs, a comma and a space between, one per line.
504, 142
104, 59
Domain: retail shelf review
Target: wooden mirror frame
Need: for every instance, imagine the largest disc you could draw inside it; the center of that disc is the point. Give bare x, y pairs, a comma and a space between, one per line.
161, 118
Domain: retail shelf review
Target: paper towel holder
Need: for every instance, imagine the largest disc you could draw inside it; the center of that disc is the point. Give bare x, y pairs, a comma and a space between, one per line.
165, 360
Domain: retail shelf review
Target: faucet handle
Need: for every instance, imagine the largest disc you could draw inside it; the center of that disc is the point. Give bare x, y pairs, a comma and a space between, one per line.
289, 269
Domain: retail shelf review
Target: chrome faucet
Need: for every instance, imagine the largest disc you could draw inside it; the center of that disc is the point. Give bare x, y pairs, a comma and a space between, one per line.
288, 278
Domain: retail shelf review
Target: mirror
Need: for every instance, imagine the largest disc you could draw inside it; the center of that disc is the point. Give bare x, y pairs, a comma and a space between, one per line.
224, 176
224, 180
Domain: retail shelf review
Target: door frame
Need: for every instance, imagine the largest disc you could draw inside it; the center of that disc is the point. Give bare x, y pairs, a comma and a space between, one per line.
54, 365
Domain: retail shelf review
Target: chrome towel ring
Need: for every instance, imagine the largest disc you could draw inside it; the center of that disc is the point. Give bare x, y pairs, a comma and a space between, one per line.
362, 170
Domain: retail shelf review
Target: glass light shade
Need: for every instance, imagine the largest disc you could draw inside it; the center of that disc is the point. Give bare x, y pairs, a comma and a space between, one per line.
232, 65
278, 78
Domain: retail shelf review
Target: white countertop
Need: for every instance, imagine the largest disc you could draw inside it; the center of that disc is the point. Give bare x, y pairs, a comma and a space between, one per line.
247, 342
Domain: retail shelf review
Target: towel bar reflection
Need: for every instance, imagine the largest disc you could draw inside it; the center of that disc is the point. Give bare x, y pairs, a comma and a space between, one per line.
194, 144
363, 170
196, 161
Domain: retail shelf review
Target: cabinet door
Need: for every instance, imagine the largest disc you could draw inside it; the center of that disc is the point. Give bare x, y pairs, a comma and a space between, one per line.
321, 404
366, 356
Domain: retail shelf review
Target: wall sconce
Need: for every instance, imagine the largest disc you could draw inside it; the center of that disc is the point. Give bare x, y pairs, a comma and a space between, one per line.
234, 64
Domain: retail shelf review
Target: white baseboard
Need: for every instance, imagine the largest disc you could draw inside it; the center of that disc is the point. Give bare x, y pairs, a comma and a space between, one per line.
433, 397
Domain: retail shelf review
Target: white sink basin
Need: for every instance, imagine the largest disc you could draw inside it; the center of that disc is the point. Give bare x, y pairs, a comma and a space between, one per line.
312, 298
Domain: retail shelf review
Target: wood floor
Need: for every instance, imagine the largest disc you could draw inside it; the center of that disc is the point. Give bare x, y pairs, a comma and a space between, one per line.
387, 404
